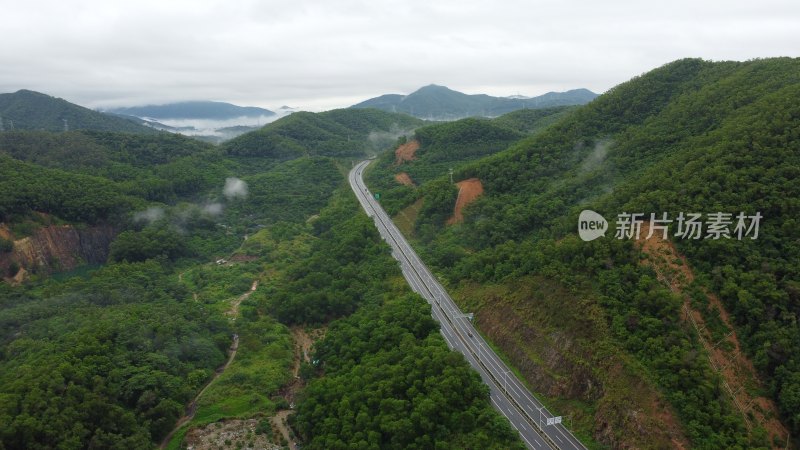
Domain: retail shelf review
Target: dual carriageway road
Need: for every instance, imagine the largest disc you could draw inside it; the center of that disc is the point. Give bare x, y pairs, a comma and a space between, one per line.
508, 394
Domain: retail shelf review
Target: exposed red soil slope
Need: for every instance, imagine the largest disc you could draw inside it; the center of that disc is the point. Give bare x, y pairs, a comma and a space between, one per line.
404, 179
736, 369
406, 152
468, 191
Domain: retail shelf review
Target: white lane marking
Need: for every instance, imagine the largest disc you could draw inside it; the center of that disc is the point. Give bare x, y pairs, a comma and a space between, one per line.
426, 279
512, 424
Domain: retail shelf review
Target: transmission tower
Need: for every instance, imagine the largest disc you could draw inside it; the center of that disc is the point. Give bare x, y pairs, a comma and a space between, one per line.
66, 125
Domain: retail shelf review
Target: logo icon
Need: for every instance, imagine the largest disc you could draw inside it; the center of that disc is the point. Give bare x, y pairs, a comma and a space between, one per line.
591, 225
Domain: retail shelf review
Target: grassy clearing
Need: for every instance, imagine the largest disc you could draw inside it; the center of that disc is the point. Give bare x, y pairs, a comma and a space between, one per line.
264, 356
262, 365
177, 439
407, 217
214, 283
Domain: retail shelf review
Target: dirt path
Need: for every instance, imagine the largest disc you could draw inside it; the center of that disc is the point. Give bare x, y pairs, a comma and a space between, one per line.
724, 355
234, 309
279, 422
303, 342
191, 408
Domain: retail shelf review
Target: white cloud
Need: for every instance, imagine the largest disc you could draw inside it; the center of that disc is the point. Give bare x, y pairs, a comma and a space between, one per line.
234, 188
150, 215
213, 209
316, 54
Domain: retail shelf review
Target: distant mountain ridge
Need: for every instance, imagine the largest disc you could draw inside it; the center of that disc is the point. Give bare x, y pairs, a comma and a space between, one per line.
336, 133
29, 110
193, 110
442, 103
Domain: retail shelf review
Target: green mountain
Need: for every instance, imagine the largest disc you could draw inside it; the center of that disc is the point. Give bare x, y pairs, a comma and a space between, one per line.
440, 103
337, 133
193, 110
29, 110
445, 146
605, 322
212, 257
661, 343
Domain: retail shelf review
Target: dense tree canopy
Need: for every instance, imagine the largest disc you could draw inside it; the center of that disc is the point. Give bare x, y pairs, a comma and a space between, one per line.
692, 136
109, 357
338, 133
391, 383
102, 362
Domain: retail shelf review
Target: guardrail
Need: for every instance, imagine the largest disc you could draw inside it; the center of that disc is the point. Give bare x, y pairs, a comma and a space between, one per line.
431, 298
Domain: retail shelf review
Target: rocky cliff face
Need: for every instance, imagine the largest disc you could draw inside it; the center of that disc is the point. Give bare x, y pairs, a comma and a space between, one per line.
56, 248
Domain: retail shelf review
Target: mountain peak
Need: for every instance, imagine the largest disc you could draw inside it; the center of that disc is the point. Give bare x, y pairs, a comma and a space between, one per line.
442, 103
434, 86
31, 110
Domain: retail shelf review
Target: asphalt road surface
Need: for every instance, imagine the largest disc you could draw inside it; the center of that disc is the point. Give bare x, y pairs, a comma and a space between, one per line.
508, 395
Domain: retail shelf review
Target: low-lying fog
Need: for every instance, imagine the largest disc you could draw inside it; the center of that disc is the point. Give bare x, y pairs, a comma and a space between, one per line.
210, 127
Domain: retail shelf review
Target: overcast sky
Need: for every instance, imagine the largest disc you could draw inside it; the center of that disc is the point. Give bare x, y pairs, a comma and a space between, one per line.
318, 54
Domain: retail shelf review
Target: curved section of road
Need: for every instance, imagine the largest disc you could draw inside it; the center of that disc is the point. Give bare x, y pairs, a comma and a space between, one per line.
508, 395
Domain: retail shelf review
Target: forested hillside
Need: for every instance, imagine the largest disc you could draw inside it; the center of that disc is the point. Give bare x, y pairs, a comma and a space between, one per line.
109, 358
235, 250
29, 110
337, 133
217, 255
445, 146
693, 137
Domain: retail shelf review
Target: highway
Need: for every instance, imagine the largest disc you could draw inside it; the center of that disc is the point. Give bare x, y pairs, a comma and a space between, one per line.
508, 394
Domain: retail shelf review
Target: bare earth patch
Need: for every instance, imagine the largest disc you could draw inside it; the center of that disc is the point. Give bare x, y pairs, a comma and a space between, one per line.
228, 434
279, 423
725, 355
404, 179
5, 232
552, 347
405, 152
468, 191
